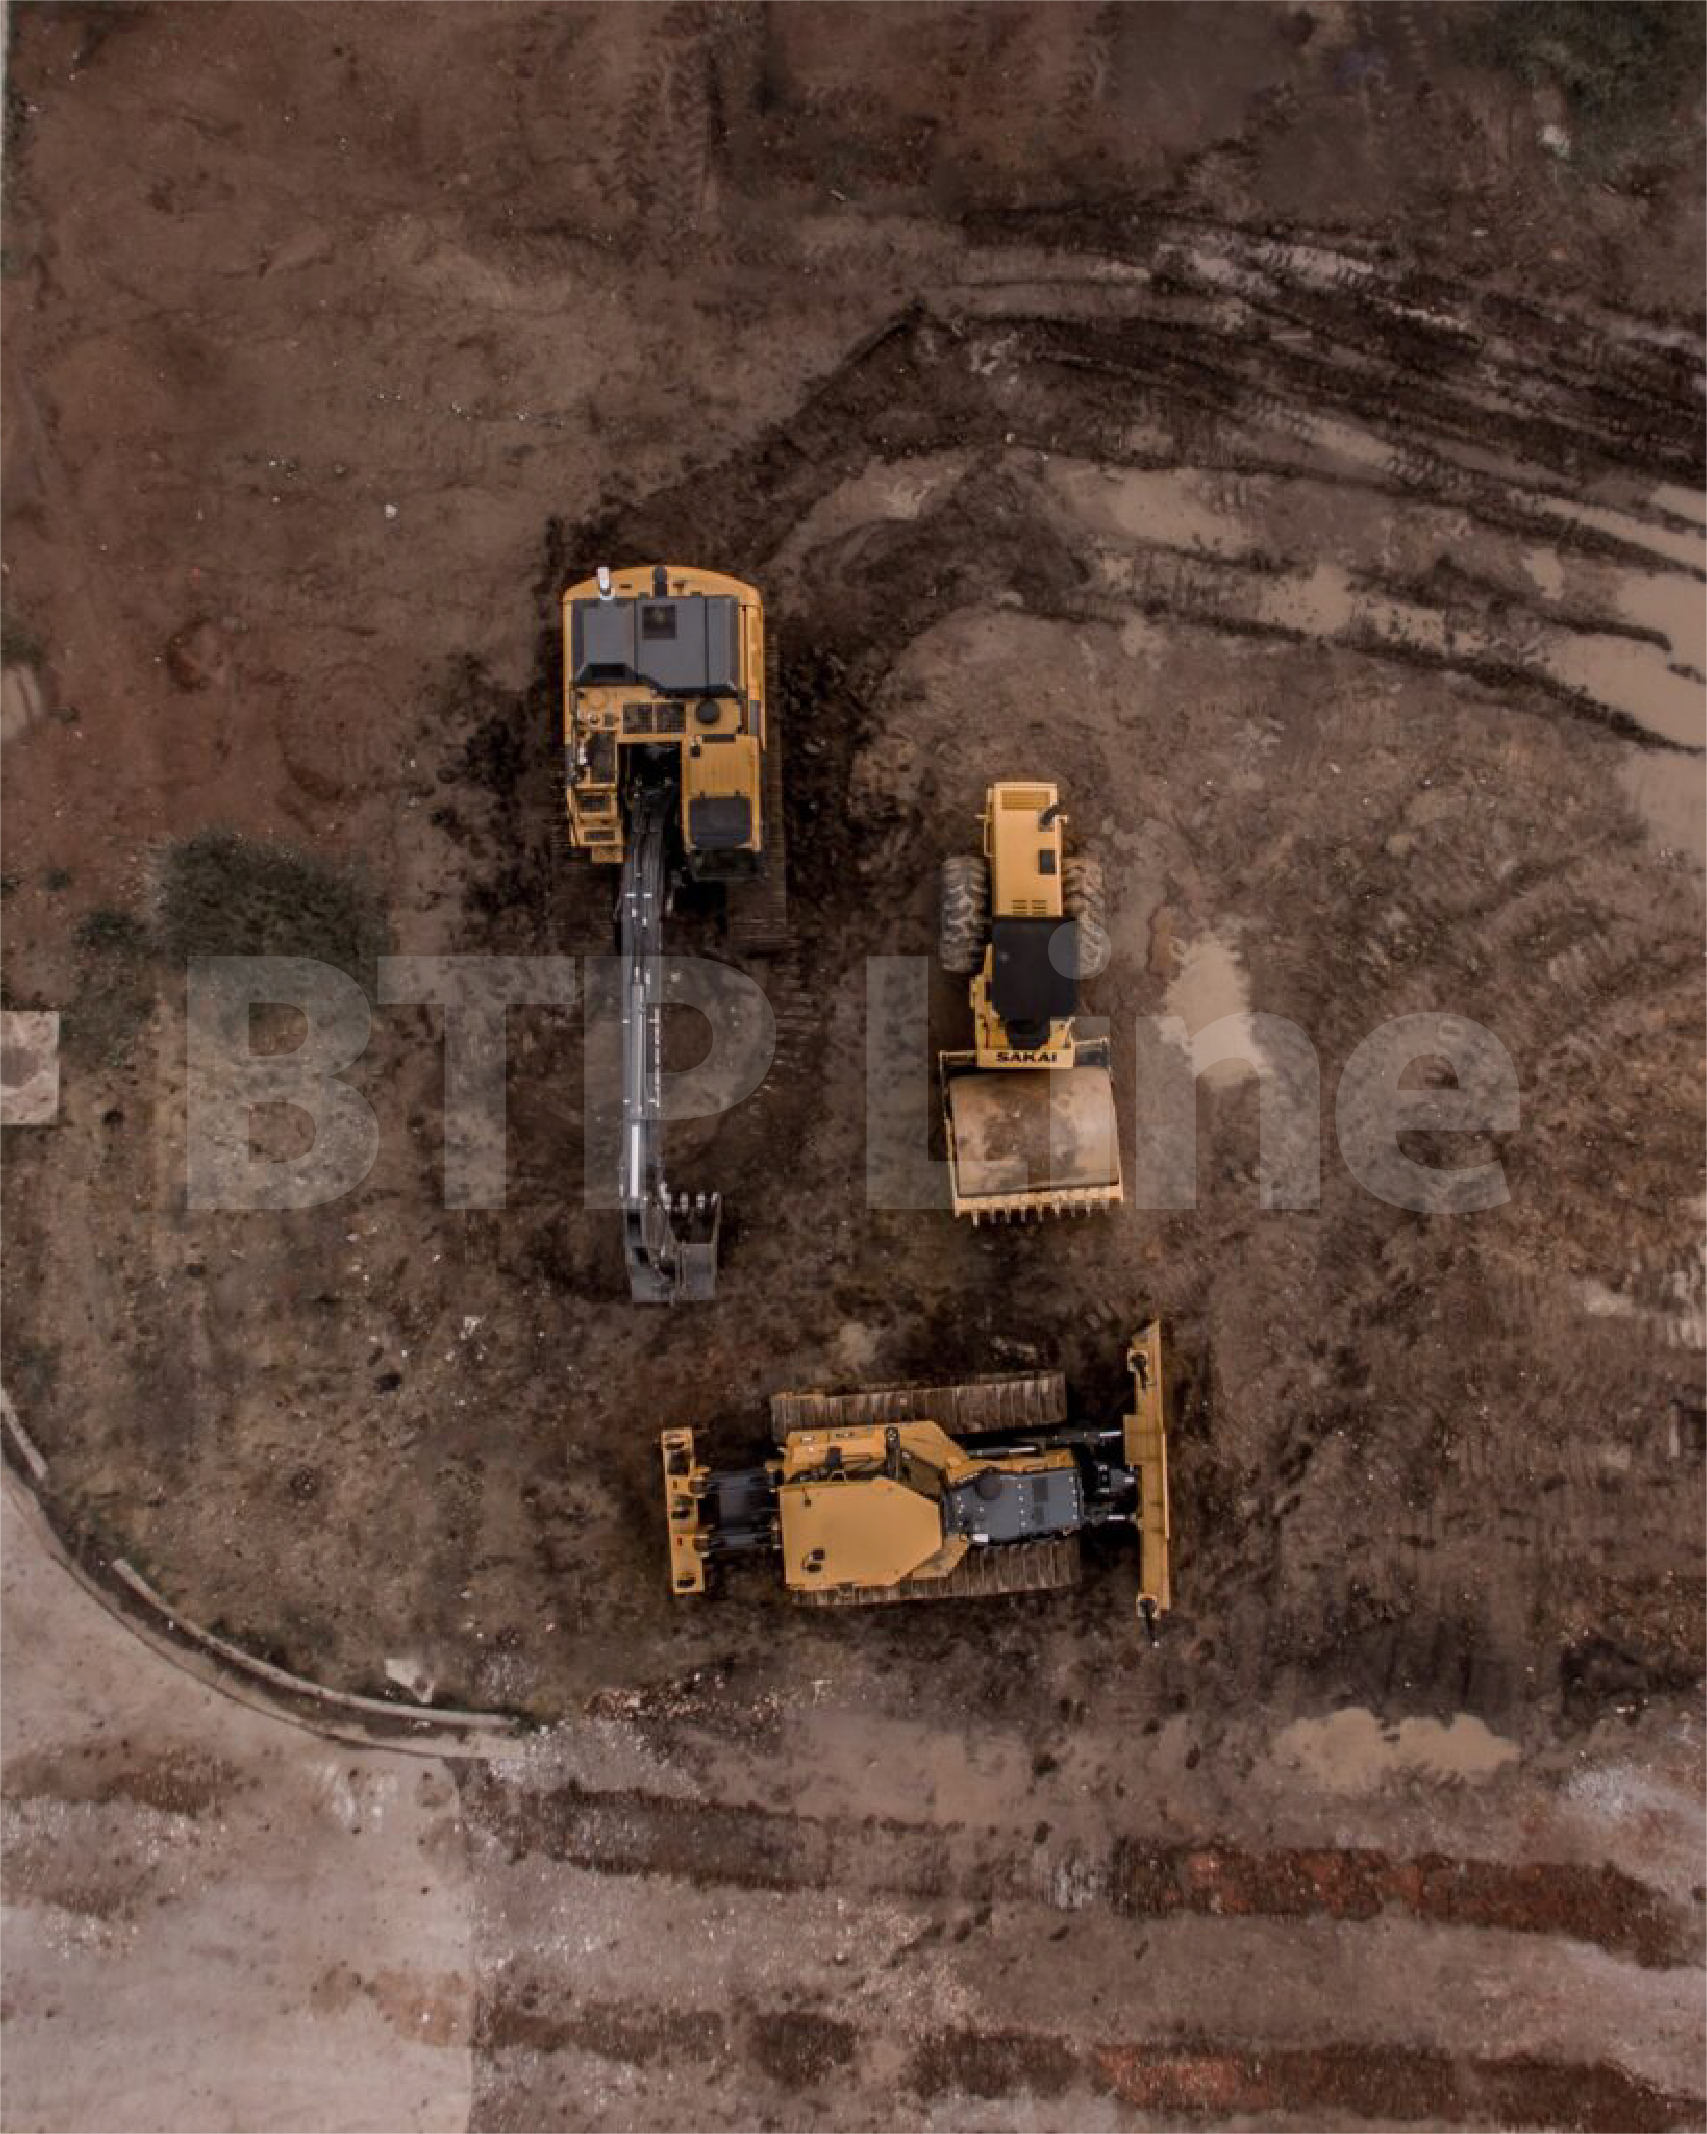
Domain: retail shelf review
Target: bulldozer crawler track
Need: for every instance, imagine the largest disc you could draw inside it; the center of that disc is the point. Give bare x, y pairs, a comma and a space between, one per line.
1021, 1401
1020, 1567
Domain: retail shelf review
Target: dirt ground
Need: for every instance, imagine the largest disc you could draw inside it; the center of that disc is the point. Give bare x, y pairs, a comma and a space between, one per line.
1283, 427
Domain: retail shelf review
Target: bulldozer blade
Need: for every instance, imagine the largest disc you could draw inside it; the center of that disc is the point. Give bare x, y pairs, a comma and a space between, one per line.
1146, 1447
1017, 1567
1031, 1141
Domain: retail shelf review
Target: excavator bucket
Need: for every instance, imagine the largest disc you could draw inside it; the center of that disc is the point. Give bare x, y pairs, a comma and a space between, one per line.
1026, 1141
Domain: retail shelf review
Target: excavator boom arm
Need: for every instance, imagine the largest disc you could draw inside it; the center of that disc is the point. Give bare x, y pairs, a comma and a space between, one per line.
670, 1241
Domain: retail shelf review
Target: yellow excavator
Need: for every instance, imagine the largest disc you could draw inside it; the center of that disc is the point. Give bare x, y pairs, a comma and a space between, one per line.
926, 1492
671, 728
1028, 1111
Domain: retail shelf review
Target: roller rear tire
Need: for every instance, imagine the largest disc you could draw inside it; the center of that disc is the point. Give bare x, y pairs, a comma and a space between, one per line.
963, 929
1085, 901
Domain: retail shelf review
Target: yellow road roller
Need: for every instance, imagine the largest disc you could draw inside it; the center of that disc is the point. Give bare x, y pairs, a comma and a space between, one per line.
1028, 1110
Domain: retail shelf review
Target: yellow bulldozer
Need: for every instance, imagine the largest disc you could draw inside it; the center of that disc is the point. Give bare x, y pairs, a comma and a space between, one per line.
671, 729
1028, 1111
923, 1492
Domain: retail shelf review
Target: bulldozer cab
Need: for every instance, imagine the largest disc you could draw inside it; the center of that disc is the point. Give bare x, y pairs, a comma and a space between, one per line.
1027, 994
862, 1505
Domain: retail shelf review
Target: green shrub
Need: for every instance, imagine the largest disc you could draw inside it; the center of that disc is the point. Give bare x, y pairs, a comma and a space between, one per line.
20, 646
222, 894
106, 931
1625, 67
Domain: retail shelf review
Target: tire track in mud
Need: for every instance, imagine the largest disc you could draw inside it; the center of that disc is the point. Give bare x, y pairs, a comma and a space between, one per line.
797, 2050
716, 1844
844, 1958
1205, 389
696, 63
1174, 346
1207, 2079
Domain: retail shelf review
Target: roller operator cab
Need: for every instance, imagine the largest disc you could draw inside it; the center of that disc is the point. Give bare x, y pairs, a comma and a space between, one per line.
665, 685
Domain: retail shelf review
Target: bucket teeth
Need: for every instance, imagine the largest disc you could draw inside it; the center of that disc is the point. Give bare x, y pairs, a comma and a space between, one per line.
1028, 1142
1042, 1211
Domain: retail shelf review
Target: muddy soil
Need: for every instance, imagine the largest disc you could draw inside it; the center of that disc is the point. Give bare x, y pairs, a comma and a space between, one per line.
1269, 432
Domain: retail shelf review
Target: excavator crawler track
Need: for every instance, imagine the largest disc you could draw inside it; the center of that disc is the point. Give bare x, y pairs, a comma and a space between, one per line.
1022, 1402
758, 911
1019, 1567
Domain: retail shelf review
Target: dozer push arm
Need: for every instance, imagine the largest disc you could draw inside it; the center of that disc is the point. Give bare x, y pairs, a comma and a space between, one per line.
670, 1243
713, 1514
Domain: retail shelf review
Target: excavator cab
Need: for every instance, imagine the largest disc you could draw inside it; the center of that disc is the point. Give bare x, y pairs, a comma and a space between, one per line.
669, 681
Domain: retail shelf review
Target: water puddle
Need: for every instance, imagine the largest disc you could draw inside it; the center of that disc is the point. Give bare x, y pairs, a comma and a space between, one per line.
1173, 505
1211, 992
1353, 1751
29, 1067
1669, 792
1545, 571
20, 701
883, 492
1302, 556
1673, 603
1683, 503
1320, 604
1635, 677
1676, 544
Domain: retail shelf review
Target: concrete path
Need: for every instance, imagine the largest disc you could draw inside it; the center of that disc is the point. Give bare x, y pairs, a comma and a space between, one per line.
702, 1911
213, 1919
